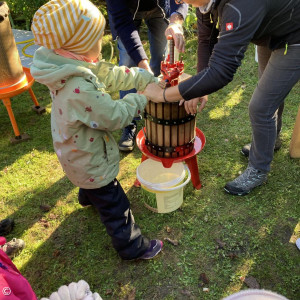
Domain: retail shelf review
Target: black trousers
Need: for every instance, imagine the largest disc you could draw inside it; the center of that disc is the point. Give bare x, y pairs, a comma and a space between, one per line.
115, 213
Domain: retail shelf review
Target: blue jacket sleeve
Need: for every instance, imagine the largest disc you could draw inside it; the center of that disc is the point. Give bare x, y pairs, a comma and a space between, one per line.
178, 8
122, 25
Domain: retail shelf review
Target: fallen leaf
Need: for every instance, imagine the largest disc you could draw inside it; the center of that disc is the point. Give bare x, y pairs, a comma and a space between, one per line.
173, 242
221, 244
45, 207
251, 282
52, 216
45, 223
168, 229
204, 278
232, 255
186, 292
108, 292
56, 253
131, 295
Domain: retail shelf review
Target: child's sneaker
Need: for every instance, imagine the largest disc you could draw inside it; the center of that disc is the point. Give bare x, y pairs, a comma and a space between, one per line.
13, 247
6, 226
154, 248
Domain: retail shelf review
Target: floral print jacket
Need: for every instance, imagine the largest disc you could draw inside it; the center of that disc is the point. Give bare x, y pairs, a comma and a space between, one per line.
84, 115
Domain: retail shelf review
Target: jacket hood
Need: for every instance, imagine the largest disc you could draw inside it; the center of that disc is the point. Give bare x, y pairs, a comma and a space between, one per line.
207, 8
53, 70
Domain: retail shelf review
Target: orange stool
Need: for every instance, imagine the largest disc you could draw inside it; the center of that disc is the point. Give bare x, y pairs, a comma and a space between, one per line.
190, 159
20, 87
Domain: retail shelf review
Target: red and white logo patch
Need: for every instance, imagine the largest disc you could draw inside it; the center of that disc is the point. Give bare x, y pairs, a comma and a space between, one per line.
229, 26
6, 291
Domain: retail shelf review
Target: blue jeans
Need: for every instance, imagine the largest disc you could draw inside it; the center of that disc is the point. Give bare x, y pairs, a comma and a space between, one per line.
282, 72
157, 25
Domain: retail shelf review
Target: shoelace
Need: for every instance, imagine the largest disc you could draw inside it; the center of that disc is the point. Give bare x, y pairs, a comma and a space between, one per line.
249, 177
129, 131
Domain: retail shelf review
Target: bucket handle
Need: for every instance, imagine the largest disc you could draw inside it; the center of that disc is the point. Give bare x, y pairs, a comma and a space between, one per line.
175, 187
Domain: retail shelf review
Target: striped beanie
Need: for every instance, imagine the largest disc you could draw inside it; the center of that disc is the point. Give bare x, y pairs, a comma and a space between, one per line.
73, 25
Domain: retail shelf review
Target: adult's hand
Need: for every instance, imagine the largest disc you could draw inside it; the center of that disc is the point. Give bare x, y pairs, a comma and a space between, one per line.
153, 92
143, 64
191, 106
176, 31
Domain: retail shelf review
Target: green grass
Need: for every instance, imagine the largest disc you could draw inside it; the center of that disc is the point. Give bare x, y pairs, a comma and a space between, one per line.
257, 232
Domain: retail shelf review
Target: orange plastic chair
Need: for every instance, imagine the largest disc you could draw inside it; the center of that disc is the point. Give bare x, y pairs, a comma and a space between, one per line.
11, 91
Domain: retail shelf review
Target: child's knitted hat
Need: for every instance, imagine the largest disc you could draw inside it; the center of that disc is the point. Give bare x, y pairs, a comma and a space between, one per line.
73, 25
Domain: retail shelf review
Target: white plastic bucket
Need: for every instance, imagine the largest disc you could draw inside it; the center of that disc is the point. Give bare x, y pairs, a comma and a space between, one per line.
166, 183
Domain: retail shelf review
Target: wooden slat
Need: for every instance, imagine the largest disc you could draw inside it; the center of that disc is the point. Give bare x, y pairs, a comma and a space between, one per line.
174, 128
295, 140
181, 129
160, 128
148, 125
167, 129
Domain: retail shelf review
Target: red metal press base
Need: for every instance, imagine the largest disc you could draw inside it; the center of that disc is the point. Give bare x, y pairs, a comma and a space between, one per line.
190, 159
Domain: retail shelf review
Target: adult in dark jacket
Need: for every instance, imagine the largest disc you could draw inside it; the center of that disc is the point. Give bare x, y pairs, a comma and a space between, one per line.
237, 23
162, 17
205, 46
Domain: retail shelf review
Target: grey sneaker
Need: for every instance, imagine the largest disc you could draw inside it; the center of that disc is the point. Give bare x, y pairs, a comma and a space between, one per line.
13, 247
127, 139
246, 182
246, 149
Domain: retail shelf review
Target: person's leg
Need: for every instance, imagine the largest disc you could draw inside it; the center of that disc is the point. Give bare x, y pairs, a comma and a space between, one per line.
115, 213
125, 60
281, 74
127, 140
157, 25
263, 55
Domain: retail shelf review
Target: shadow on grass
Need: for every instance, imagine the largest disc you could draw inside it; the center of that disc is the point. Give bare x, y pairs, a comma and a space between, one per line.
37, 206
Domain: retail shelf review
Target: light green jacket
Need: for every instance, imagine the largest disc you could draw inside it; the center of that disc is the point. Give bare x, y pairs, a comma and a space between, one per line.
84, 115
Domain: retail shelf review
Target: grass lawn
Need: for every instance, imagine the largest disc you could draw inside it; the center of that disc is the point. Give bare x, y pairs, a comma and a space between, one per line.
222, 239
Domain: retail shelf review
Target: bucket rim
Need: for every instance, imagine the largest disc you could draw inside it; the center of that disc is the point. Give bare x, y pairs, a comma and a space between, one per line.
155, 189
166, 184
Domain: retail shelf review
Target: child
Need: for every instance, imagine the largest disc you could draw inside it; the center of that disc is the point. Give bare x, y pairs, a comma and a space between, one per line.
83, 115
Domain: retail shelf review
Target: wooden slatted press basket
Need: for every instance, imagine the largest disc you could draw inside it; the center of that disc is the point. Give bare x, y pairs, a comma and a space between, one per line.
169, 130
